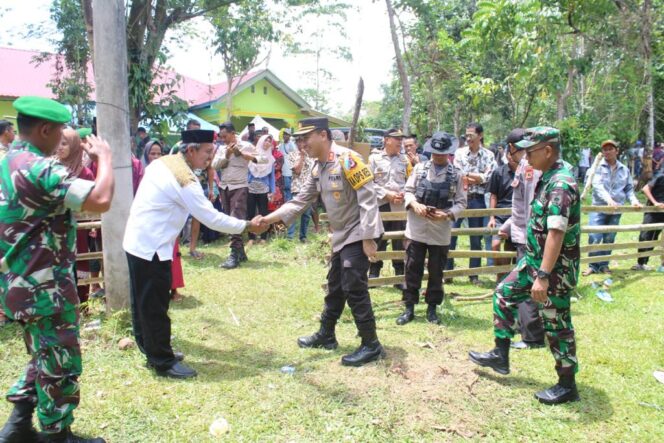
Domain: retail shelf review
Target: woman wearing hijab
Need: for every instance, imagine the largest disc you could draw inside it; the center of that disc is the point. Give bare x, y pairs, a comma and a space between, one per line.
277, 197
261, 183
153, 151
70, 154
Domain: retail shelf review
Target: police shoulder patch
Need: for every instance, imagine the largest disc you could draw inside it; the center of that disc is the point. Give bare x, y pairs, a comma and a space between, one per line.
409, 166
356, 172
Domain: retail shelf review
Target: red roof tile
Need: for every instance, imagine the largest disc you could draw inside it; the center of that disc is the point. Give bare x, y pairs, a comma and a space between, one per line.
22, 76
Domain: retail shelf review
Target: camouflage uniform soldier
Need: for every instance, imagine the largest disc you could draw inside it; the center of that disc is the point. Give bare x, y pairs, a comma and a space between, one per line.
549, 272
37, 253
346, 187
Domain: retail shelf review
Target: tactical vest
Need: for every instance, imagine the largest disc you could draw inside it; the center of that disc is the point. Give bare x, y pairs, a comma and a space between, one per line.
436, 195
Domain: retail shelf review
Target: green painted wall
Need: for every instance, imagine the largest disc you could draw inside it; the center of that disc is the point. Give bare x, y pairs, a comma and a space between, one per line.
273, 105
6, 109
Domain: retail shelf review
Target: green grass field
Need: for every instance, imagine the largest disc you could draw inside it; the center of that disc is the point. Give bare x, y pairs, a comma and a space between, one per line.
238, 328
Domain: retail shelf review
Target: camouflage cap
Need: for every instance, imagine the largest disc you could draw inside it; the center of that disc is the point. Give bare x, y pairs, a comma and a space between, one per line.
538, 134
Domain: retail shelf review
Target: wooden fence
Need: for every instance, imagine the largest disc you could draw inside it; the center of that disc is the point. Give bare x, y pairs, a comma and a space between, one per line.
86, 256
493, 270
658, 245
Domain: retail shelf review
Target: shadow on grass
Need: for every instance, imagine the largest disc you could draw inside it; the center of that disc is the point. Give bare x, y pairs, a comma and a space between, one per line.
453, 320
209, 260
620, 279
594, 406
187, 302
244, 360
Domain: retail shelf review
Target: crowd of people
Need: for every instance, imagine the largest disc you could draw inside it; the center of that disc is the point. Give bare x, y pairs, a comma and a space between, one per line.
220, 182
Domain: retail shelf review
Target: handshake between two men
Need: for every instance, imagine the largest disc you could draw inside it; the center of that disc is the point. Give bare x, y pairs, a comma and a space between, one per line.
260, 224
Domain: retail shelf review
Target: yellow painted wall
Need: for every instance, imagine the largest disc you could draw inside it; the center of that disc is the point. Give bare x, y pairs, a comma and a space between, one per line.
248, 103
7, 111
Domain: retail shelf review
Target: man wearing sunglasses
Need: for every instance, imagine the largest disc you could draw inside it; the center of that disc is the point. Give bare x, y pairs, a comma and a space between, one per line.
550, 269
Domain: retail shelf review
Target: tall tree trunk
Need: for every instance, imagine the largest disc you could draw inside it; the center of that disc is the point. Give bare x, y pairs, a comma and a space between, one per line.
229, 96
646, 45
457, 120
356, 113
561, 108
403, 75
86, 6
113, 125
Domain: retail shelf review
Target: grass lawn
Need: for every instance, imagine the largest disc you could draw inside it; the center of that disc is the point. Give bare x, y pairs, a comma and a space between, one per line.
238, 328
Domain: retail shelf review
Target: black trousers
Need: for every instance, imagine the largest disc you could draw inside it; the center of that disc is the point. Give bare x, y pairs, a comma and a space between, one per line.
415, 255
530, 321
347, 282
397, 245
648, 218
256, 203
150, 286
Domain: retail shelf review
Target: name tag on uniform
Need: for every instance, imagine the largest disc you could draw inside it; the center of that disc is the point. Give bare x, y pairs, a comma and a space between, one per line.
335, 181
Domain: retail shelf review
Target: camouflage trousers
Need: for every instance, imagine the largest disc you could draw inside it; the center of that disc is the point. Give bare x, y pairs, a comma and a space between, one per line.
556, 316
51, 377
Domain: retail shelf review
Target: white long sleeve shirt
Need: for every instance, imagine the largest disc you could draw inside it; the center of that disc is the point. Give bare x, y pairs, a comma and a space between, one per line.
168, 193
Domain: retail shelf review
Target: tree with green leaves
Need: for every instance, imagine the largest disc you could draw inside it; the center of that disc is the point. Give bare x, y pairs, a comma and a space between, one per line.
303, 36
151, 88
70, 82
241, 31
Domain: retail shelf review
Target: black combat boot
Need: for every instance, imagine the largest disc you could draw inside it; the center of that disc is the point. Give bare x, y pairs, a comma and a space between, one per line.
564, 391
324, 338
233, 260
242, 255
370, 350
407, 316
497, 359
432, 316
18, 428
66, 436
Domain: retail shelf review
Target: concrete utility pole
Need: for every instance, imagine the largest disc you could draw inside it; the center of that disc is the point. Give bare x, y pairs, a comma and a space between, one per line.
112, 92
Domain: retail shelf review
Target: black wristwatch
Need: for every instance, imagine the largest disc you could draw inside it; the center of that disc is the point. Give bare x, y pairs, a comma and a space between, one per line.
543, 275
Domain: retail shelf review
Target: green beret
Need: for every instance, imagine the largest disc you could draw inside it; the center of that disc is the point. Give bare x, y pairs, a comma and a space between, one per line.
42, 108
84, 132
538, 134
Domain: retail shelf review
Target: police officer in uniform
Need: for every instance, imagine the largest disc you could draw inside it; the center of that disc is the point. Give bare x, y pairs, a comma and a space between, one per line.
523, 191
346, 187
391, 169
434, 197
